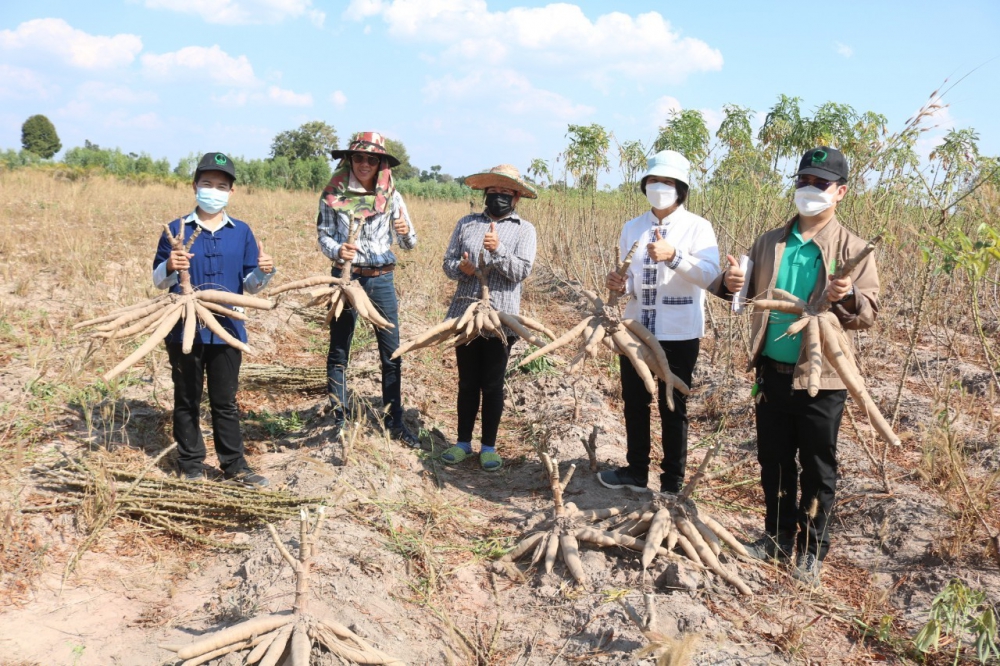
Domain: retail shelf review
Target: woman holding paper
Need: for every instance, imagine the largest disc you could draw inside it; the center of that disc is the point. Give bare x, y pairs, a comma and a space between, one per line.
681, 259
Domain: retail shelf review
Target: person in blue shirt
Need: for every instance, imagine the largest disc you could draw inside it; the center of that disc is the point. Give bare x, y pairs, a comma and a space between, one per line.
224, 256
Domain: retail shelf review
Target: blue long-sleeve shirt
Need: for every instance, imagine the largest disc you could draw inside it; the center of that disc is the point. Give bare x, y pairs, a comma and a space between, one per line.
224, 259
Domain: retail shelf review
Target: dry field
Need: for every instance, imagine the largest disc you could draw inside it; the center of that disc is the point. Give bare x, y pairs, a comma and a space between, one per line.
406, 554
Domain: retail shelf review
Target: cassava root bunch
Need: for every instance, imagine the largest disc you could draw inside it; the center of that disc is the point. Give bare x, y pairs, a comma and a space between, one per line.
627, 337
336, 293
159, 315
286, 638
479, 318
824, 337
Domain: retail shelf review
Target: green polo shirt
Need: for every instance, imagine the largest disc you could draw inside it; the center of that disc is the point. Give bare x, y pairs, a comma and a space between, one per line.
797, 274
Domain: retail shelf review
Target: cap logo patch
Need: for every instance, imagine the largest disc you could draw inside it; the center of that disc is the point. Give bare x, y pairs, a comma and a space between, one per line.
819, 157
221, 159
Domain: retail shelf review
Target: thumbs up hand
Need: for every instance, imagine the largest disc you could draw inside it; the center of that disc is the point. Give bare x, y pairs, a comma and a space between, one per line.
465, 265
492, 239
400, 225
735, 276
659, 249
264, 261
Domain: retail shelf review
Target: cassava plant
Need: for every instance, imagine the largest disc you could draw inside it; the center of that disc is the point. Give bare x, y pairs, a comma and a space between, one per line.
159, 315
627, 337
824, 337
336, 293
286, 638
479, 318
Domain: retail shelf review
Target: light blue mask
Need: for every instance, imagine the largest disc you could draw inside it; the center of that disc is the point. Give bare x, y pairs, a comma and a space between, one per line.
211, 200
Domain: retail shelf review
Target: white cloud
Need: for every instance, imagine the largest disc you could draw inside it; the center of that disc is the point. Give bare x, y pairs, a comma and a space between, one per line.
663, 109
20, 83
288, 97
143, 121
713, 119
513, 93
100, 91
212, 62
243, 12
338, 99
57, 38
614, 45
843, 49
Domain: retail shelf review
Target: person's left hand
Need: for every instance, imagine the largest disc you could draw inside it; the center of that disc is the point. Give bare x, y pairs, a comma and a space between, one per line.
401, 226
491, 241
839, 288
264, 260
660, 250
466, 266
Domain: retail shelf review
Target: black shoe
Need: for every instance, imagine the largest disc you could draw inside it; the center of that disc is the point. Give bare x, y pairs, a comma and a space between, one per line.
807, 570
768, 548
402, 433
194, 476
616, 479
248, 477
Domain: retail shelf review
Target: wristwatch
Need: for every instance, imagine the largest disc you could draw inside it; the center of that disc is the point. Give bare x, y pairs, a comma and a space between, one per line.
848, 295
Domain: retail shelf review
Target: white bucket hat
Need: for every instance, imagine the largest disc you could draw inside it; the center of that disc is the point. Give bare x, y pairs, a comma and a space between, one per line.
667, 164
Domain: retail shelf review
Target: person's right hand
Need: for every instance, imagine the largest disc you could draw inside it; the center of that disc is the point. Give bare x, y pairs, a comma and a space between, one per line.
466, 266
348, 251
179, 260
735, 277
615, 282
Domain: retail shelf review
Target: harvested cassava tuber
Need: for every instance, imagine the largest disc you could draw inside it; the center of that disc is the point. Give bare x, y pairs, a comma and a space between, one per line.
627, 337
478, 319
286, 638
336, 293
159, 315
824, 337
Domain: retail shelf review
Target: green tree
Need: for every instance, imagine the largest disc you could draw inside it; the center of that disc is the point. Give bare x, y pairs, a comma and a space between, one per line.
312, 139
539, 169
631, 161
587, 154
405, 170
38, 136
781, 133
685, 132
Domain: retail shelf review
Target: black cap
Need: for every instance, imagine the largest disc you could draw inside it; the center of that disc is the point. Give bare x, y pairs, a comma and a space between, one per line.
216, 162
824, 162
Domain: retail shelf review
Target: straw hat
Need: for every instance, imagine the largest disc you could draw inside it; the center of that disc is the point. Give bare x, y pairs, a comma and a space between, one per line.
366, 142
506, 176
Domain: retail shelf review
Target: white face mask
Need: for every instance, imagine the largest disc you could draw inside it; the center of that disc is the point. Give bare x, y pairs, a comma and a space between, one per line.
211, 200
661, 196
812, 200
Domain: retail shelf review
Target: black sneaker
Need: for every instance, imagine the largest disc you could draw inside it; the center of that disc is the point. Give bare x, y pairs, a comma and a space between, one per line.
195, 476
768, 548
402, 433
616, 479
248, 477
807, 570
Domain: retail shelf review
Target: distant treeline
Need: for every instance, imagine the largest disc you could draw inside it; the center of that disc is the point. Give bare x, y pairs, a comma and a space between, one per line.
310, 174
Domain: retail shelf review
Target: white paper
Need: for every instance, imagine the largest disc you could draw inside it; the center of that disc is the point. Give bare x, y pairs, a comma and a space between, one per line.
740, 299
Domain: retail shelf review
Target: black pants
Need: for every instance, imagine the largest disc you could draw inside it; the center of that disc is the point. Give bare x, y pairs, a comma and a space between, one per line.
382, 293
682, 355
481, 367
221, 364
790, 422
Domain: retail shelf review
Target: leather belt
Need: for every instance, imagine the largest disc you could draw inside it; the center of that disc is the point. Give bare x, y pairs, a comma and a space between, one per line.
780, 368
372, 271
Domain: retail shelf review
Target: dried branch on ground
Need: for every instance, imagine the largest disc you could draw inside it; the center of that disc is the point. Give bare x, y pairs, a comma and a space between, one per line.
159, 315
286, 638
479, 319
336, 293
627, 337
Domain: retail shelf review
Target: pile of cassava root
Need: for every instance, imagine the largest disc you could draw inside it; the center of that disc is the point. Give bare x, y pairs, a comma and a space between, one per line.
286, 638
159, 315
336, 293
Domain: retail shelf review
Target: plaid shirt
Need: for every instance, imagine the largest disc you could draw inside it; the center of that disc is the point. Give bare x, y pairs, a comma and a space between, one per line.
376, 237
510, 263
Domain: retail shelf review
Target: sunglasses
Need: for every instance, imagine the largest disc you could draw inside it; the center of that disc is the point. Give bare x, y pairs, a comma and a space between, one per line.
358, 158
821, 184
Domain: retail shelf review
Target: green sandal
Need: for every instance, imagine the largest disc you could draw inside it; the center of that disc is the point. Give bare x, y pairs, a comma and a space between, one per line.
454, 455
490, 461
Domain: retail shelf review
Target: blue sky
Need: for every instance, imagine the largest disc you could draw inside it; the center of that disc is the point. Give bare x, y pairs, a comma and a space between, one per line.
467, 84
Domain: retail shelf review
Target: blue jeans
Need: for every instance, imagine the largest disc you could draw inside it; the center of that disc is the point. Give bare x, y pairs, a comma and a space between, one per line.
382, 293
